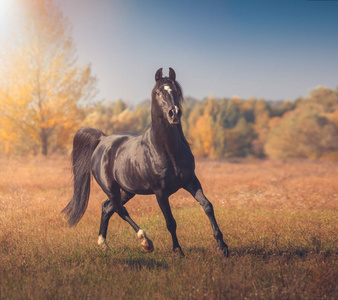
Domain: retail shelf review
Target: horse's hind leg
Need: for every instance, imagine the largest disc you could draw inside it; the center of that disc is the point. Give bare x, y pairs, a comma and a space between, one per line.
115, 204
146, 243
107, 212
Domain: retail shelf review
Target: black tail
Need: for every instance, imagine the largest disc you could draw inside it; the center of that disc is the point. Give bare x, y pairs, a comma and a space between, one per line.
84, 144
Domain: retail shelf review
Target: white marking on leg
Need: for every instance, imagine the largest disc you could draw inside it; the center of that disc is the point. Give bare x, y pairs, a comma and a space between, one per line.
147, 244
102, 242
141, 234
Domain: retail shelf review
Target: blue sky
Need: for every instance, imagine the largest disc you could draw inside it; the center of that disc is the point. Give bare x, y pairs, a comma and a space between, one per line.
271, 49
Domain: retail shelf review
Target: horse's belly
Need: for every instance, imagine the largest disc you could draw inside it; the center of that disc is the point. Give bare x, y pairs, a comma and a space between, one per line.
134, 186
145, 182
132, 178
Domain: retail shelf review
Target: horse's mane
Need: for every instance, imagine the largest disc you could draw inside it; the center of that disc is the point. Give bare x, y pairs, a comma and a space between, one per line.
180, 130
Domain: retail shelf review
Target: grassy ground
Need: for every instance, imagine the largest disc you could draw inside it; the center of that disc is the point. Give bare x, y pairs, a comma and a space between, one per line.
279, 220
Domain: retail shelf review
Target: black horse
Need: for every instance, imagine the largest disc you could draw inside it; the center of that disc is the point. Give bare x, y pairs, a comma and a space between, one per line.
158, 162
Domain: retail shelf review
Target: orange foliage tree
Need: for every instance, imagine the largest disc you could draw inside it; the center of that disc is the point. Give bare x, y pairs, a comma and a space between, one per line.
116, 117
41, 83
305, 132
202, 135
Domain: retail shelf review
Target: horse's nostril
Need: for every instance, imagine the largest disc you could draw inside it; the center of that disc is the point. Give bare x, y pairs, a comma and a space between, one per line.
178, 111
171, 113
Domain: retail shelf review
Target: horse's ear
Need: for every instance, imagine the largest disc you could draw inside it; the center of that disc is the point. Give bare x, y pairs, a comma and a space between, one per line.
172, 74
158, 74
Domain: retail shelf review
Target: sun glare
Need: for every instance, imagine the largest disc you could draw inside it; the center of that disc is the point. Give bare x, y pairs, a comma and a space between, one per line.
5, 18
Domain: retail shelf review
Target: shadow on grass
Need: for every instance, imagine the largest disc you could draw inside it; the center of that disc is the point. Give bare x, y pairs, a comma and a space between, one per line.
139, 263
196, 251
287, 253
159, 260
134, 259
299, 252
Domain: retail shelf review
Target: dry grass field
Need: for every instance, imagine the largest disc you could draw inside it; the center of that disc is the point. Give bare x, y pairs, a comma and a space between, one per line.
278, 218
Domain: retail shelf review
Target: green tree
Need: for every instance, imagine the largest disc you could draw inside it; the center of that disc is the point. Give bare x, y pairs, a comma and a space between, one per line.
238, 139
231, 115
211, 107
119, 107
262, 116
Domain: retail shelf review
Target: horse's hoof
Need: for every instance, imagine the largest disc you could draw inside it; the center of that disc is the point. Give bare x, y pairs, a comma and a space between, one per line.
225, 251
179, 251
102, 243
224, 248
147, 245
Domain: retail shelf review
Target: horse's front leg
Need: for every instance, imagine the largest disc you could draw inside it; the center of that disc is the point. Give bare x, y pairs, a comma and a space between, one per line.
195, 189
163, 202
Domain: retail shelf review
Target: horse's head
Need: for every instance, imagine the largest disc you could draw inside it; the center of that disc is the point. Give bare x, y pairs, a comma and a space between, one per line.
167, 97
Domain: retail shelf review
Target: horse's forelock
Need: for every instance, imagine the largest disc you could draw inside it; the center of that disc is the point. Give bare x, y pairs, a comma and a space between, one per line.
166, 81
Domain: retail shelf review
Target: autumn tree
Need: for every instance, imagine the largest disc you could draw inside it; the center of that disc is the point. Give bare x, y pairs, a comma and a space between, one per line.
143, 117
203, 128
324, 97
302, 133
202, 135
41, 82
114, 117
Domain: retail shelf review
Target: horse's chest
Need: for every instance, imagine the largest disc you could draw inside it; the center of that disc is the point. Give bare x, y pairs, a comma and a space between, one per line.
177, 175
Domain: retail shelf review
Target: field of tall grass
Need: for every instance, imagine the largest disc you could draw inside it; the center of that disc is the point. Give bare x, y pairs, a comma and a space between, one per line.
279, 220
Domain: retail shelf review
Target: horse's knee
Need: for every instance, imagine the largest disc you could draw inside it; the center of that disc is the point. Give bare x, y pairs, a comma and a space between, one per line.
207, 207
204, 202
107, 209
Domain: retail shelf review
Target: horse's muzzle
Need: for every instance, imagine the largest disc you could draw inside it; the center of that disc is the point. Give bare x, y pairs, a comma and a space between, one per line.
174, 115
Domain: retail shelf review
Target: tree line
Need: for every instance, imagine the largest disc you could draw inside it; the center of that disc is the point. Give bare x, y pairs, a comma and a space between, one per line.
222, 128
305, 128
216, 128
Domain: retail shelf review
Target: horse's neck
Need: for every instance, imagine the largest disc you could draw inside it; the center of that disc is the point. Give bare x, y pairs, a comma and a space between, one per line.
165, 138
